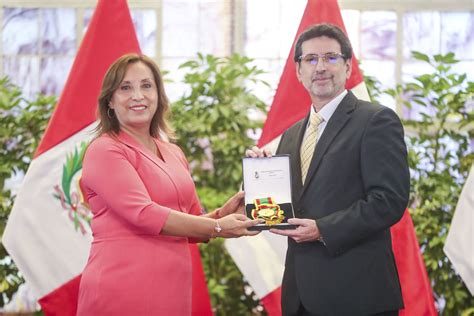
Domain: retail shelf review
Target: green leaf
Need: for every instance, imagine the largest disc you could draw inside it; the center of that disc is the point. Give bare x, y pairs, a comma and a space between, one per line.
420, 56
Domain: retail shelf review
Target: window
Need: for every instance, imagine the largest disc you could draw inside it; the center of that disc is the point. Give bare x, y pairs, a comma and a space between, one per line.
39, 42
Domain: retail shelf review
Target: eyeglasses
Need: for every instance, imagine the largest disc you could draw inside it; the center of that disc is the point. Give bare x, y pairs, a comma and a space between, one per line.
313, 59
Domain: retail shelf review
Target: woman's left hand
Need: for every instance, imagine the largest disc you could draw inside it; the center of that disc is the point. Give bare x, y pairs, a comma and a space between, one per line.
235, 205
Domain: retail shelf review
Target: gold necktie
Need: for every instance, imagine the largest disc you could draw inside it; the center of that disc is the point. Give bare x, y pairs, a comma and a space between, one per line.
309, 142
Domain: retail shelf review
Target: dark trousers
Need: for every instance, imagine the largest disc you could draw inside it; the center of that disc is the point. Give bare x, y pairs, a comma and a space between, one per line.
390, 313
303, 312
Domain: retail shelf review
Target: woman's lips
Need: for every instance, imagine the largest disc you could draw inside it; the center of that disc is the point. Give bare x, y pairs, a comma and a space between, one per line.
138, 107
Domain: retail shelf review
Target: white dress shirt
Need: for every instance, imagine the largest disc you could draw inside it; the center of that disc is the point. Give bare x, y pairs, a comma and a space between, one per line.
326, 112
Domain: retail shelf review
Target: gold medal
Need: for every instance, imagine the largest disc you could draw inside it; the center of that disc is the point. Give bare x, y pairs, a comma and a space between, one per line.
268, 211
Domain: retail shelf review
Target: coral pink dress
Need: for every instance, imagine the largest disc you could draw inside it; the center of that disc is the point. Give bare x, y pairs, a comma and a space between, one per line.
132, 269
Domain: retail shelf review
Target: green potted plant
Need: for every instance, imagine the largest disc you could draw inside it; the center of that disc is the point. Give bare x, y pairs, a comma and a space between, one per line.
22, 123
440, 157
214, 120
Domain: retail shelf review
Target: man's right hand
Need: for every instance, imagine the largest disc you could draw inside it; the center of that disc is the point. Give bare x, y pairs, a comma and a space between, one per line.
256, 152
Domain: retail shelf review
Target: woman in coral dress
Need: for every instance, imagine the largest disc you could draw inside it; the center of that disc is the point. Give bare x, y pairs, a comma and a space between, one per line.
144, 202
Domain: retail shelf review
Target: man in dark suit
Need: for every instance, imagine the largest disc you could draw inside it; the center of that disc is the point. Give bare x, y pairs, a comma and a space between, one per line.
350, 184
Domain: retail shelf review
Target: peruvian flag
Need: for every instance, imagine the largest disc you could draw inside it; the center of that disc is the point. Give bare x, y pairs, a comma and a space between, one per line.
459, 245
48, 232
261, 259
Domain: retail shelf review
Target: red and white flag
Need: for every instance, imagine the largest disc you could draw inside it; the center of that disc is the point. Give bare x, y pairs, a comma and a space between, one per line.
261, 259
459, 246
48, 233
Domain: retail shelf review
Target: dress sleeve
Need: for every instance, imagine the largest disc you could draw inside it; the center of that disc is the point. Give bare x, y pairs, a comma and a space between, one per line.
109, 174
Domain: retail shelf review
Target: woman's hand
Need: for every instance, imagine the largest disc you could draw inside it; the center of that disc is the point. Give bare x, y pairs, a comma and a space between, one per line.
235, 205
256, 152
235, 225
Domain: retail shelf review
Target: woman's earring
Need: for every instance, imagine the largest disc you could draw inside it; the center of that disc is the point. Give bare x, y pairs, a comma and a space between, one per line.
108, 113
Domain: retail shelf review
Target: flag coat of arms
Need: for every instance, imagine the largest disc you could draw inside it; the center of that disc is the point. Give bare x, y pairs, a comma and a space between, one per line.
48, 233
264, 268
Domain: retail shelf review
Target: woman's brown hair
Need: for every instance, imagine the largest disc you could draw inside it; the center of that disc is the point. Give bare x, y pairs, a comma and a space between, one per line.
108, 122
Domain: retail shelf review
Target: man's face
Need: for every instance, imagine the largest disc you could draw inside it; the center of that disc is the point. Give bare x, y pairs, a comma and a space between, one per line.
323, 78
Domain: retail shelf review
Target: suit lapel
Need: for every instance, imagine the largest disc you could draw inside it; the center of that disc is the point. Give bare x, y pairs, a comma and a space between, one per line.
333, 127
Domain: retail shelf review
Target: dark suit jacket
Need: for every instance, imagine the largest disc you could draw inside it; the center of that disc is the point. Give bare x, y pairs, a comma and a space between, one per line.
356, 188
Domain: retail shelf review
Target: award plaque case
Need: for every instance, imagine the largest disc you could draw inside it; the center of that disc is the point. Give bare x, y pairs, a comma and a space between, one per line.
267, 186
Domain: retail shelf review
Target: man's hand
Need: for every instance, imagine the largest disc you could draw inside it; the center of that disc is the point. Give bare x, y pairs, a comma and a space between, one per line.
307, 230
256, 152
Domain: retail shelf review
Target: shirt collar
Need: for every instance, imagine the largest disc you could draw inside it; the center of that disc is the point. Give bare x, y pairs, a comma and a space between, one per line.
328, 110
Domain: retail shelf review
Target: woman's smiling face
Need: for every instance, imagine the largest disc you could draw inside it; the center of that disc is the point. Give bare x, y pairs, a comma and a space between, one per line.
136, 99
